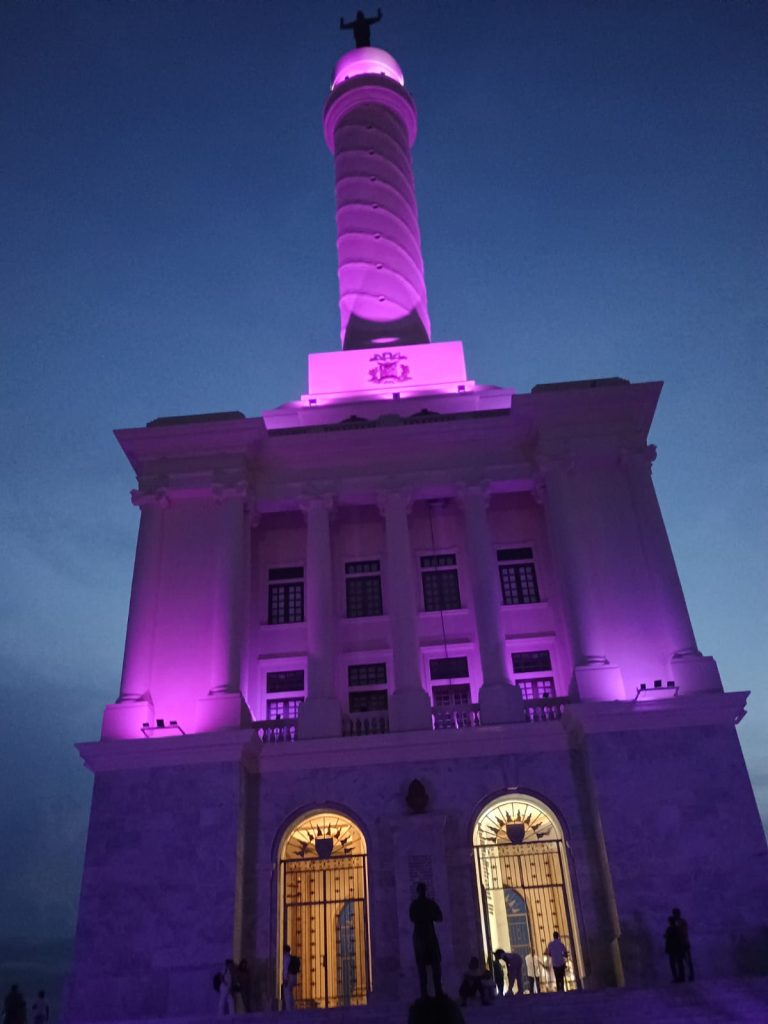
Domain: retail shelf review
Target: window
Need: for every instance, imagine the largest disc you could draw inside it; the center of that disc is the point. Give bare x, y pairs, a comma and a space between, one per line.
363, 589
450, 696
369, 683
285, 707
518, 576
285, 682
451, 706
440, 582
286, 595
448, 668
529, 668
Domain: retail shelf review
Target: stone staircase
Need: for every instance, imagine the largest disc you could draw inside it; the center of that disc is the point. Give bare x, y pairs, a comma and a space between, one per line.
729, 1001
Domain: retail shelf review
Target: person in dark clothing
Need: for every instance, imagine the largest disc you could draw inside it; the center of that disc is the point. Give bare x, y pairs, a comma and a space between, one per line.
675, 950
361, 27
682, 925
472, 983
15, 1007
424, 914
514, 964
498, 975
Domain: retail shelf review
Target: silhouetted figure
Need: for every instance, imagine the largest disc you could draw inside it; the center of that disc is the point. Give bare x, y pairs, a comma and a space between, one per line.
244, 984
558, 954
472, 983
15, 1007
674, 948
425, 913
514, 964
682, 924
498, 975
361, 27
40, 1011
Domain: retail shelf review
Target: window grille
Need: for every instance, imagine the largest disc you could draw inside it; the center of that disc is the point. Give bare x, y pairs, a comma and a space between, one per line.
448, 668
518, 576
363, 589
375, 696
367, 675
529, 668
285, 682
285, 707
369, 700
450, 696
286, 595
440, 582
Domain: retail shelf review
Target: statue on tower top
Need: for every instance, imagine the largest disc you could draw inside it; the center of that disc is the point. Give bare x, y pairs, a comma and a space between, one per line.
361, 27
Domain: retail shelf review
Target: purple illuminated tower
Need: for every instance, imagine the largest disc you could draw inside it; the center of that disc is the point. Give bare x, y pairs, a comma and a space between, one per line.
408, 628
370, 127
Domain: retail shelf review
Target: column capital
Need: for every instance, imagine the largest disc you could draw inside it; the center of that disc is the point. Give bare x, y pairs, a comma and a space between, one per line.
159, 496
389, 501
475, 491
640, 457
316, 502
221, 491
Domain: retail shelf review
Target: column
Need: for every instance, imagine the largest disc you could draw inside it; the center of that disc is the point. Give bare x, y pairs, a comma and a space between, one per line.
224, 706
499, 701
688, 667
409, 704
124, 719
571, 496
320, 714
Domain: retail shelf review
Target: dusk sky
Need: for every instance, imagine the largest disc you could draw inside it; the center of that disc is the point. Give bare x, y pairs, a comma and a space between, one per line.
591, 178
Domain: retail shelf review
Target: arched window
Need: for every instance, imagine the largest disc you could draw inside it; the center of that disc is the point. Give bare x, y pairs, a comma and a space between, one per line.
323, 910
523, 882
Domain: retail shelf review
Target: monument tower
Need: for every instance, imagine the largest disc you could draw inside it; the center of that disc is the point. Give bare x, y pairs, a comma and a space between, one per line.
405, 628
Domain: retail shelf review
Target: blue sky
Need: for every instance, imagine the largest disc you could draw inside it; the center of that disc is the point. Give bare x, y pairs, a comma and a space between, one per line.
591, 183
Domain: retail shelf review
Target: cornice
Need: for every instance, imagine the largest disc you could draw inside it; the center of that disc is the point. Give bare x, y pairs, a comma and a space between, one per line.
232, 745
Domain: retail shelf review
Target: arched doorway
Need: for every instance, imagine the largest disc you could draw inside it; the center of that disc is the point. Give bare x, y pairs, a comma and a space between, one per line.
323, 910
523, 882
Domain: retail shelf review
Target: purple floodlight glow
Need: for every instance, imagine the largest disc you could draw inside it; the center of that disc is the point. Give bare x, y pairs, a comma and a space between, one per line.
367, 60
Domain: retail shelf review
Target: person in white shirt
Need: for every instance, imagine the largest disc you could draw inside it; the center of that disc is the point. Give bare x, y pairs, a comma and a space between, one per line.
534, 969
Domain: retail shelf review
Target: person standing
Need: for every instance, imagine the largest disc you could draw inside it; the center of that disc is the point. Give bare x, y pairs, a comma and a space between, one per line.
558, 954
425, 913
675, 950
682, 925
514, 964
290, 977
15, 1007
226, 984
40, 1010
534, 969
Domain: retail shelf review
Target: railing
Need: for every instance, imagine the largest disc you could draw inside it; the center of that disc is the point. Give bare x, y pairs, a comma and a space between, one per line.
365, 723
545, 709
279, 730
460, 716
375, 723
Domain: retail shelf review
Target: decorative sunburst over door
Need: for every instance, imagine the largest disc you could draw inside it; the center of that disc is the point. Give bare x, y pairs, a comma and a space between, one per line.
523, 881
323, 904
